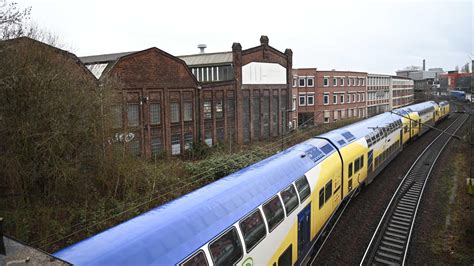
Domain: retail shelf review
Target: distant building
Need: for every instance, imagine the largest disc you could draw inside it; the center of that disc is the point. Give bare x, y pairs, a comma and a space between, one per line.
453, 80
378, 94
329, 96
402, 92
169, 103
422, 79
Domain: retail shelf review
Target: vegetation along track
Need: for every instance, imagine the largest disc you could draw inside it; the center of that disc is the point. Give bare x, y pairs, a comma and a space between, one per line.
390, 242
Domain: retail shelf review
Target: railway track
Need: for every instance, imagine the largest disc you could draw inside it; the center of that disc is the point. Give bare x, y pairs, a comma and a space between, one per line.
390, 241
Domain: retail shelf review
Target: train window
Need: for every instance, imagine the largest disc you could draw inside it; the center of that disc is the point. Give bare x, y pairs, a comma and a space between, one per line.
253, 229
350, 185
227, 249
273, 212
197, 259
373, 138
286, 258
290, 200
350, 169
328, 191
321, 198
303, 188
356, 165
361, 161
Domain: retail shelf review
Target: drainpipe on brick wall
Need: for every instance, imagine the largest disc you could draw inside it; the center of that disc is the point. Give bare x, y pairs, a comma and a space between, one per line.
198, 112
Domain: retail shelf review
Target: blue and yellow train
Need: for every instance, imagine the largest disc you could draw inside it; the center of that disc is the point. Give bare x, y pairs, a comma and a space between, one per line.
268, 213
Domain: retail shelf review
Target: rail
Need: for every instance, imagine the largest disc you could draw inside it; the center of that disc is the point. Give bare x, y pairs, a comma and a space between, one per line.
390, 241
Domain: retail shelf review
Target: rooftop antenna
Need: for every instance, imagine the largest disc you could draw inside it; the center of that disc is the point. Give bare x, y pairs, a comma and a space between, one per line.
201, 48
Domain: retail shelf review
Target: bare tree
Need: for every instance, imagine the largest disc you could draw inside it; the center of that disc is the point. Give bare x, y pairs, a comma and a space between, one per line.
51, 133
13, 20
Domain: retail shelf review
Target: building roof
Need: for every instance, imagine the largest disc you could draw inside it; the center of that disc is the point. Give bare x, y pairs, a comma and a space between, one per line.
400, 77
342, 71
103, 58
207, 58
98, 63
378, 75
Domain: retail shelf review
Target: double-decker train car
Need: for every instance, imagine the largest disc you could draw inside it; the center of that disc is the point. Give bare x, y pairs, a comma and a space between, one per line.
268, 213
421, 117
443, 111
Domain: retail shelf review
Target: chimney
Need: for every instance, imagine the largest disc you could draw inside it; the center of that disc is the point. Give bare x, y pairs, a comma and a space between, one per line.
2, 245
424, 64
264, 40
201, 48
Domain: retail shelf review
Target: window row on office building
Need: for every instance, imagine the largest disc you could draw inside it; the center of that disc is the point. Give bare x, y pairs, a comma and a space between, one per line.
328, 96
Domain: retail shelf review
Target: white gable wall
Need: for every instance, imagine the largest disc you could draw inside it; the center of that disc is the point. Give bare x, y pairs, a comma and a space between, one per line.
263, 73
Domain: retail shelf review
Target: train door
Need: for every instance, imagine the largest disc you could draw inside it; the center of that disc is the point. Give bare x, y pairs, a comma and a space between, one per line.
370, 158
304, 223
400, 141
337, 195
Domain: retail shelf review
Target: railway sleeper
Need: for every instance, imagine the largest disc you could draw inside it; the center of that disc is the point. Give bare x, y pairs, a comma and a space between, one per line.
397, 213
408, 209
386, 255
395, 235
413, 193
400, 222
391, 229
406, 204
391, 239
381, 260
402, 227
390, 243
391, 250
401, 219
410, 199
404, 212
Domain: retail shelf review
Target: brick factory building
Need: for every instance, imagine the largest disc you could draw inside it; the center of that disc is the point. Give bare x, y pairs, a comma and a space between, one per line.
328, 96
402, 92
256, 85
169, 103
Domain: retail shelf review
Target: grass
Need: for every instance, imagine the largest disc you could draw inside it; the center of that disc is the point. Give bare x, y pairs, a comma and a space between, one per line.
453, 241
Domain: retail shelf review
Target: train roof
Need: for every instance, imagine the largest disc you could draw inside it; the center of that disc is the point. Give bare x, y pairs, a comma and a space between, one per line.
359, 129
444, 103
416, 107
161, 235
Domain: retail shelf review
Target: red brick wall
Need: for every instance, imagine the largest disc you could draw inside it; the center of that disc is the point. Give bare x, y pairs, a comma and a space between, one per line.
155, 77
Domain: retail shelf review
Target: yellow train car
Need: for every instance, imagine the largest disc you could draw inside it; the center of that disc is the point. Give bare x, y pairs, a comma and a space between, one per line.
443, 110
437, 112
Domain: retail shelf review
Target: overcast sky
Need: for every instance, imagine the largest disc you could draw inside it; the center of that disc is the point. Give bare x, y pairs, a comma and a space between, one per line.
373, 36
